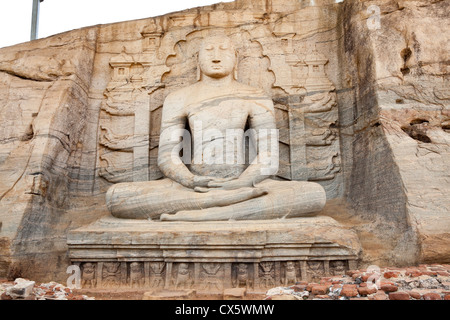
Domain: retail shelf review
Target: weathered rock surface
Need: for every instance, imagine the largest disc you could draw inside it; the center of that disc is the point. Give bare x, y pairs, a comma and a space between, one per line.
402, 110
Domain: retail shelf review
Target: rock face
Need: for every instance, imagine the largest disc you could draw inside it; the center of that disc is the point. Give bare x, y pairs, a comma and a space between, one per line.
398, 123
361, 97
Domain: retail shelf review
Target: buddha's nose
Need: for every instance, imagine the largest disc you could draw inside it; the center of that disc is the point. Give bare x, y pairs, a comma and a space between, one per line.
216, 57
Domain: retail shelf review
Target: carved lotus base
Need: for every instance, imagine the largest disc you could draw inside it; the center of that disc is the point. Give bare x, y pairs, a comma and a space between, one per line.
211, 256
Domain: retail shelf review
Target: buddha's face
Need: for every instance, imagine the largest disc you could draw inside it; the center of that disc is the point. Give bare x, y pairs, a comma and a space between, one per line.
217, 57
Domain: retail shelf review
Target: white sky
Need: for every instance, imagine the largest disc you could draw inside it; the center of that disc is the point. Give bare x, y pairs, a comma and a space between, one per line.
57, 16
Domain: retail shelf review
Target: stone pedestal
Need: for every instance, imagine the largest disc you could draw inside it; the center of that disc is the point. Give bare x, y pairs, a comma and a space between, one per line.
211, 256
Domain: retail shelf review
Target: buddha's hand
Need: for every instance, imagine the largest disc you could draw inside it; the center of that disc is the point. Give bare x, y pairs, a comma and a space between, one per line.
230, 184
202, 183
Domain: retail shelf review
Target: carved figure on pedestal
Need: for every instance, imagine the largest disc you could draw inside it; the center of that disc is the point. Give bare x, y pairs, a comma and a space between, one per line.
215, 182
315, 269
210, 277
242, 276
111, 273
337, 267
183, 278
290, 273
88, 275
136, 274
158, 274
266, 277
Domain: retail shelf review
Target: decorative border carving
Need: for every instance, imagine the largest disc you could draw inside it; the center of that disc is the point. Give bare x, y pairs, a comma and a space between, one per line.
208, 276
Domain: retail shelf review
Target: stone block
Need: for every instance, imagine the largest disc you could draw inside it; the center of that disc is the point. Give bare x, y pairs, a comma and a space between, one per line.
234, 293
22, 289
187, 294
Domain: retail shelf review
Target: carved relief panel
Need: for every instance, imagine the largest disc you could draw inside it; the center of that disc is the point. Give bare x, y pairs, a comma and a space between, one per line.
208, 276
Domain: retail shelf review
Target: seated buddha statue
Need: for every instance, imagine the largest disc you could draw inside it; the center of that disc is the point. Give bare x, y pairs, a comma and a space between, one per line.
215, 119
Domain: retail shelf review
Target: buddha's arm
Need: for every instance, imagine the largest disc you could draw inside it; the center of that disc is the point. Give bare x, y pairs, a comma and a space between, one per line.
172, 129
265, 164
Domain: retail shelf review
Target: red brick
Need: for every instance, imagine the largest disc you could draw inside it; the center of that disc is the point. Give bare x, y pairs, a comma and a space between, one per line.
389, 287
351, 272
391, 274
364, 291
349, 290
432, 296
447, 297
319, 289
443, 273
416, 273
380, 295
399, 295
299, 287
336, 281
328, 284
414, 294
310, 286
366, 277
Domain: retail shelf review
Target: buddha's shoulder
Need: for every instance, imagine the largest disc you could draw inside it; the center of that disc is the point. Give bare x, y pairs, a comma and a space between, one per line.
197, 88
180, 93
243, 88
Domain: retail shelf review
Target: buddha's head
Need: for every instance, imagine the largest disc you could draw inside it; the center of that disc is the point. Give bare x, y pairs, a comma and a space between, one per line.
217, 57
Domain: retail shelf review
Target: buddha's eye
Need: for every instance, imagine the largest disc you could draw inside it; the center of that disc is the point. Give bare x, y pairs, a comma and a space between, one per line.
209, 48
224, 47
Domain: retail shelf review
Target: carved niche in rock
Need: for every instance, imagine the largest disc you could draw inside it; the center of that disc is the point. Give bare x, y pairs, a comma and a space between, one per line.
305, 107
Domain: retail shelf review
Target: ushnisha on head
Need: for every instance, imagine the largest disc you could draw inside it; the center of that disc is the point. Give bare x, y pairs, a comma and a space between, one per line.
217, 57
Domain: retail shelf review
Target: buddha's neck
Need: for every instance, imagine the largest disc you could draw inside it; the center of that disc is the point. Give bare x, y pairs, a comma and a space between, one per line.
217, 82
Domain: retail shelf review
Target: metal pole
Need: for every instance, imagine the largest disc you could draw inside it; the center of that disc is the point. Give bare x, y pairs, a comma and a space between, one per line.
35, 19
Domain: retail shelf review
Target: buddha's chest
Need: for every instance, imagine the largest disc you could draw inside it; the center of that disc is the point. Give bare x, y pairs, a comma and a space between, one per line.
218, 114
